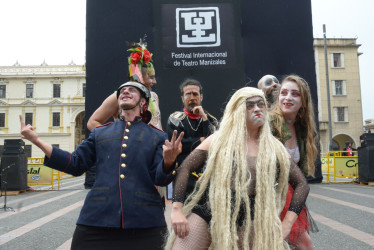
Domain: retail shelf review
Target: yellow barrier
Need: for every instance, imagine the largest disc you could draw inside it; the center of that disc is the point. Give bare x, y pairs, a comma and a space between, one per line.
336, 165
40, 175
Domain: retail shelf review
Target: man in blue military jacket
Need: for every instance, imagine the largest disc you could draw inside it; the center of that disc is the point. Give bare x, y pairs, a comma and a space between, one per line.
123, 210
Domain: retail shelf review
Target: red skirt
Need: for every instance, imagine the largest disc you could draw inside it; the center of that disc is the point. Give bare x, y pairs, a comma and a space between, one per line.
301, 224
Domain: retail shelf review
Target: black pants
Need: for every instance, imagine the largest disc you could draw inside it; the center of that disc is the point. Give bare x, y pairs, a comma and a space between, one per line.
97, 238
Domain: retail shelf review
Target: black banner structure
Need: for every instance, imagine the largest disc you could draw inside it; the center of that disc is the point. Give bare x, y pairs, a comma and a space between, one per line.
197, 36
224, 44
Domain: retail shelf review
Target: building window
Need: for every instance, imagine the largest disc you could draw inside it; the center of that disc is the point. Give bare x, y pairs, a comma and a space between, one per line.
84, 89
2, 120
56, 119
337, 60
56, 90
339, 87
28, 118
2, 91
341, 114
29, 90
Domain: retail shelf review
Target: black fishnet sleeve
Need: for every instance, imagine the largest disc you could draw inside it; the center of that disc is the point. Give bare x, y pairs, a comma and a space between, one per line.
196, 159
300, 186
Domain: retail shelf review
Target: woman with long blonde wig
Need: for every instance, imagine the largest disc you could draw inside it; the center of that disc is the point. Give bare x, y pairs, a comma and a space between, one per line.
293, 123
237, 202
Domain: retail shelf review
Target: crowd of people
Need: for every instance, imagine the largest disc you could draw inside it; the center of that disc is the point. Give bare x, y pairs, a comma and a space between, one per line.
238, 183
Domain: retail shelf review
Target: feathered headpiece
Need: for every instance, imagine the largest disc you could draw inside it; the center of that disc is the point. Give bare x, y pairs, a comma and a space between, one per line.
140, 56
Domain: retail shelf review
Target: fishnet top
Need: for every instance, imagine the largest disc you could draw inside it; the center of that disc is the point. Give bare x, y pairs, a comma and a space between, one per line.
197, 158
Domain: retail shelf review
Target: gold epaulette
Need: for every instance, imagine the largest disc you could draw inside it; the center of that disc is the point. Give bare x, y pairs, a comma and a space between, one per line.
178, 115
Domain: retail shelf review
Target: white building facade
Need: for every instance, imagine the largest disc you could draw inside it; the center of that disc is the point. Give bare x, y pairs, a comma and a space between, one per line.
345, 92
50, 98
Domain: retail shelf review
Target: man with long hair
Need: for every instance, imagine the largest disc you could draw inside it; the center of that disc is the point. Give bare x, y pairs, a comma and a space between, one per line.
237, 202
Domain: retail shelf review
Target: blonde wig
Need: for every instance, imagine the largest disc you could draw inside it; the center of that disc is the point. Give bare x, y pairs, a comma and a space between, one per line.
226, 169
304, 119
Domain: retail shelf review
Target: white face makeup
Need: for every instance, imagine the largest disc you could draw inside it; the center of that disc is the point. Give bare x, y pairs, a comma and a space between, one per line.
290, 99
270, 85
256, 111
149, 77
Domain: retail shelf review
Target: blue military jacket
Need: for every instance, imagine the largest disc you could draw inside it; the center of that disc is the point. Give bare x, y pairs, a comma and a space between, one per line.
129, 161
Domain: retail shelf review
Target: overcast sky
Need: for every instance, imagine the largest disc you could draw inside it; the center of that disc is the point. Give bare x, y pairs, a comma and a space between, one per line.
54, 30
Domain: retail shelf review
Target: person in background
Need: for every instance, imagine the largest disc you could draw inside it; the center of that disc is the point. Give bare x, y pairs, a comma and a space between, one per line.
140, 66
196, 123
293, 123
349, 149
269, 84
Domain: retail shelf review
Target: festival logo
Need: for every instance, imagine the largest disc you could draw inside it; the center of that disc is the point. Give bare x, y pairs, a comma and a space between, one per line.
198, 27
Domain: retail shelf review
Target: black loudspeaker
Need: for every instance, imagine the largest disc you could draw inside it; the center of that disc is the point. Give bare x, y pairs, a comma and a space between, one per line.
366, 164
14, 172
367, 139
14, 146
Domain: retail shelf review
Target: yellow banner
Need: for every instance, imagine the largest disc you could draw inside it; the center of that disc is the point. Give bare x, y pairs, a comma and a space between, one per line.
324, 163
346, 166
39, 175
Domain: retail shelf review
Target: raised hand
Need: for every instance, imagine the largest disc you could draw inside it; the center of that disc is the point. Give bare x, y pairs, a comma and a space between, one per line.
198, 110
27, 131
172, 149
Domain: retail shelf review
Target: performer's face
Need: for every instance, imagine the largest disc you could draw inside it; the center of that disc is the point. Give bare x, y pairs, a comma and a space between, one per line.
128, 97
149, 77
290, 98
256, 112
191, 97
270, 86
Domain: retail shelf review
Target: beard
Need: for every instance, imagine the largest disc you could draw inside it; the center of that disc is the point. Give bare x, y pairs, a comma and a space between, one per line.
191, 106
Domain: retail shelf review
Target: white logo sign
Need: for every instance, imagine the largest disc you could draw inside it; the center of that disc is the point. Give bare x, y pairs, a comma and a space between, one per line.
198, 27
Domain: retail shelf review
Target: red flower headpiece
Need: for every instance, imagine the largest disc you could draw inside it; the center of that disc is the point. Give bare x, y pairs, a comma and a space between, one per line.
140, 56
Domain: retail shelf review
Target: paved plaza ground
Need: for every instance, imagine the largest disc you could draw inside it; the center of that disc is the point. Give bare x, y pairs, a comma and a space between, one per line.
46, 219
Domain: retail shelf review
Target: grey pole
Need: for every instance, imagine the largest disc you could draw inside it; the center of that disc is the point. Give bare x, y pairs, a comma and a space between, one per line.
328, 88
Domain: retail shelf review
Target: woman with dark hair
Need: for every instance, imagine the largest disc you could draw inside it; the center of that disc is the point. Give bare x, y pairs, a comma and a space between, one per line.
293, 123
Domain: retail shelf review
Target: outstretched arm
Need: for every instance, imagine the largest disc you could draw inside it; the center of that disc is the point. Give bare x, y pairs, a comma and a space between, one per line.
27, 132
108, 108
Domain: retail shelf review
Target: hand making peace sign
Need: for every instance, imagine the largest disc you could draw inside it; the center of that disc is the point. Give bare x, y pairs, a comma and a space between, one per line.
172, 149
